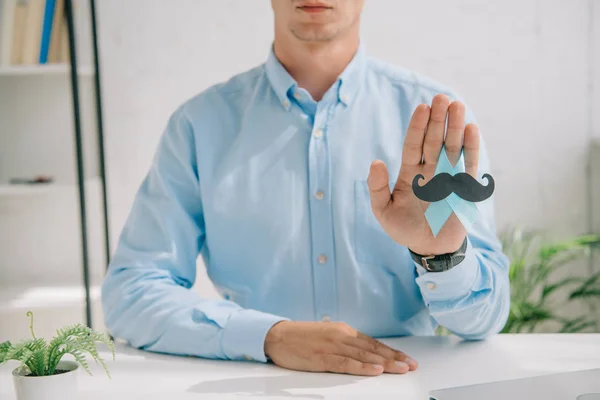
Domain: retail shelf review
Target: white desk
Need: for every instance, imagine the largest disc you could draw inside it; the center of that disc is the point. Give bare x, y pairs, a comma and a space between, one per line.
444, 362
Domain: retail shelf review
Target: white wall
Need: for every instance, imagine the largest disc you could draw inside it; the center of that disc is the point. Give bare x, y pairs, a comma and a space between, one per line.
595, 67
522, 65
595, 117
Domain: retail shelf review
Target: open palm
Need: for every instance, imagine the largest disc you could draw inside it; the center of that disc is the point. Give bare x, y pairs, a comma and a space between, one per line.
400, 213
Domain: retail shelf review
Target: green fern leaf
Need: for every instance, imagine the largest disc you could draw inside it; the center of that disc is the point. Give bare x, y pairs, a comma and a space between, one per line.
91, 349
39, 358
30, 353
5, 347
78, 340
80, 358
58, 345
38, 361
20, 352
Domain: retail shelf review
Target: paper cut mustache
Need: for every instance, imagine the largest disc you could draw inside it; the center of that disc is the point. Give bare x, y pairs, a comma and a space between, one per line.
442, 185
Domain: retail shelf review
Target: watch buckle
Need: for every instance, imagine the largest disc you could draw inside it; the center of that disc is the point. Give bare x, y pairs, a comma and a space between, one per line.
424, 261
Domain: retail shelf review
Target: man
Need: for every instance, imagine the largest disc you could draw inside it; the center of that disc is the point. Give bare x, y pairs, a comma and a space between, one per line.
266, 177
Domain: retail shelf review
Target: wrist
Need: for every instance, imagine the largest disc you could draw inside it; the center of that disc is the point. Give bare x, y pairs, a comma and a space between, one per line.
441, 262
274, 336
435, 249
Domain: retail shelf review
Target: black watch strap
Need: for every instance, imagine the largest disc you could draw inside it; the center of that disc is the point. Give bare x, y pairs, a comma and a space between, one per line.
441, 262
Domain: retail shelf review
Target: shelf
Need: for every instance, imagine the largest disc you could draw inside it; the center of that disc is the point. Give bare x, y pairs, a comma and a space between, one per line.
7, 190
43, 70
26, 298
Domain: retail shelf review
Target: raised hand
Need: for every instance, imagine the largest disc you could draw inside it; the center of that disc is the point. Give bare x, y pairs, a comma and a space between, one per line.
400, 213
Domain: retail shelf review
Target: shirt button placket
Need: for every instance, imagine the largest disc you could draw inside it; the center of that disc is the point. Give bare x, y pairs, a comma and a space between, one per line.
323, 264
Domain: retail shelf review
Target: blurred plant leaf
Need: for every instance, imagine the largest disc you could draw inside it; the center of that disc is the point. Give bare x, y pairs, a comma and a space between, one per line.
549, 289
533, 264
589, 288
577, 325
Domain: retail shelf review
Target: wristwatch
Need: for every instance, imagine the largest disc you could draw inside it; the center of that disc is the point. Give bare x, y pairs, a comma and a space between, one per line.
440, 262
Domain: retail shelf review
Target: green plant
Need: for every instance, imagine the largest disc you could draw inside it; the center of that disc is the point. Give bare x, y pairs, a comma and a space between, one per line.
536, 283
40, 358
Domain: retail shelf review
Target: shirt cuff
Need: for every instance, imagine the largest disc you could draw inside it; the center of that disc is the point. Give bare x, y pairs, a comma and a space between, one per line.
245, 333
452, 284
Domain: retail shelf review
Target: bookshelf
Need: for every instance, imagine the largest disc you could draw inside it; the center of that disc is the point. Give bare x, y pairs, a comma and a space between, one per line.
54, 236
8, 191
41, 70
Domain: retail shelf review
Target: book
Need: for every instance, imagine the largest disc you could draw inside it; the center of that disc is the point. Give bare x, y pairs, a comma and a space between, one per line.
7, 19
59, 18
64, 55
48, 20
18, 31
33, 32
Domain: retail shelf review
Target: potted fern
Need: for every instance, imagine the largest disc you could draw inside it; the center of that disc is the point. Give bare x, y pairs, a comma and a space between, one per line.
43, 374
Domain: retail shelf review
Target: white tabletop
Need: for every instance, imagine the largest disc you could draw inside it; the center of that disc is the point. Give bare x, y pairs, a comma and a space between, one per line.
444, 362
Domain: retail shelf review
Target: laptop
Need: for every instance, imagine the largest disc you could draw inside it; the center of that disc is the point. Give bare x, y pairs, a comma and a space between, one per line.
579, 385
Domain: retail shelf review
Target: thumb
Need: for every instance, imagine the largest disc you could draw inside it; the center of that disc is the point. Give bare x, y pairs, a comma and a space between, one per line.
379, 187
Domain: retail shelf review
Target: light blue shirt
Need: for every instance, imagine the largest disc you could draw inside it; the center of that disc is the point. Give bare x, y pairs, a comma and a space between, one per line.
270, 188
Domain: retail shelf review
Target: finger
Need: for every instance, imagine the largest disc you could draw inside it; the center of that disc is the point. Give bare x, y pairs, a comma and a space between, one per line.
379, 188
386, 352
375, 346
389, 364
346, 365
456, 129
434, 136
412, 152
471, 149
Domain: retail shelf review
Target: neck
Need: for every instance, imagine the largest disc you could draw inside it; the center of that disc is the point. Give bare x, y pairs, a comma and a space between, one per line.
315, 65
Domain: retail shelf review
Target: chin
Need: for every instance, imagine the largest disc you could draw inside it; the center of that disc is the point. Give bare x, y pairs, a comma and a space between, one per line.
315, 34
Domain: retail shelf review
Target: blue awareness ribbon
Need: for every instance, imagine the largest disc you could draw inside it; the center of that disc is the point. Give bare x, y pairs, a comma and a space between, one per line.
438, 212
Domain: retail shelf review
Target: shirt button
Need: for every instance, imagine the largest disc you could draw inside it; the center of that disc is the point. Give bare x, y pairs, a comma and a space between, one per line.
326, 318
430, 285
345, 98
322, 259
318, 133
297, 95
286, 103
319, 195
248, 358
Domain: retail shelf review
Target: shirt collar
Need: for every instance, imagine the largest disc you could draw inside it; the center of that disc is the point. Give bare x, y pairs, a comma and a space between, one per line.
348, 82
280, 79
353, 76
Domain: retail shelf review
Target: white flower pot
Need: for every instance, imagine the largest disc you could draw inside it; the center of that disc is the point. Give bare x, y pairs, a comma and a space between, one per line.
54, 387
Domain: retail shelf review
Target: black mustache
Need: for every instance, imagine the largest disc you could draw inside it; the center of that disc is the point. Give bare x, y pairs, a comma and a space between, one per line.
442, 185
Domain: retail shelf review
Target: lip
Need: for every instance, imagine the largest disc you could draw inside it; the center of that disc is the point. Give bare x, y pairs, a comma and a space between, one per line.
314, 7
